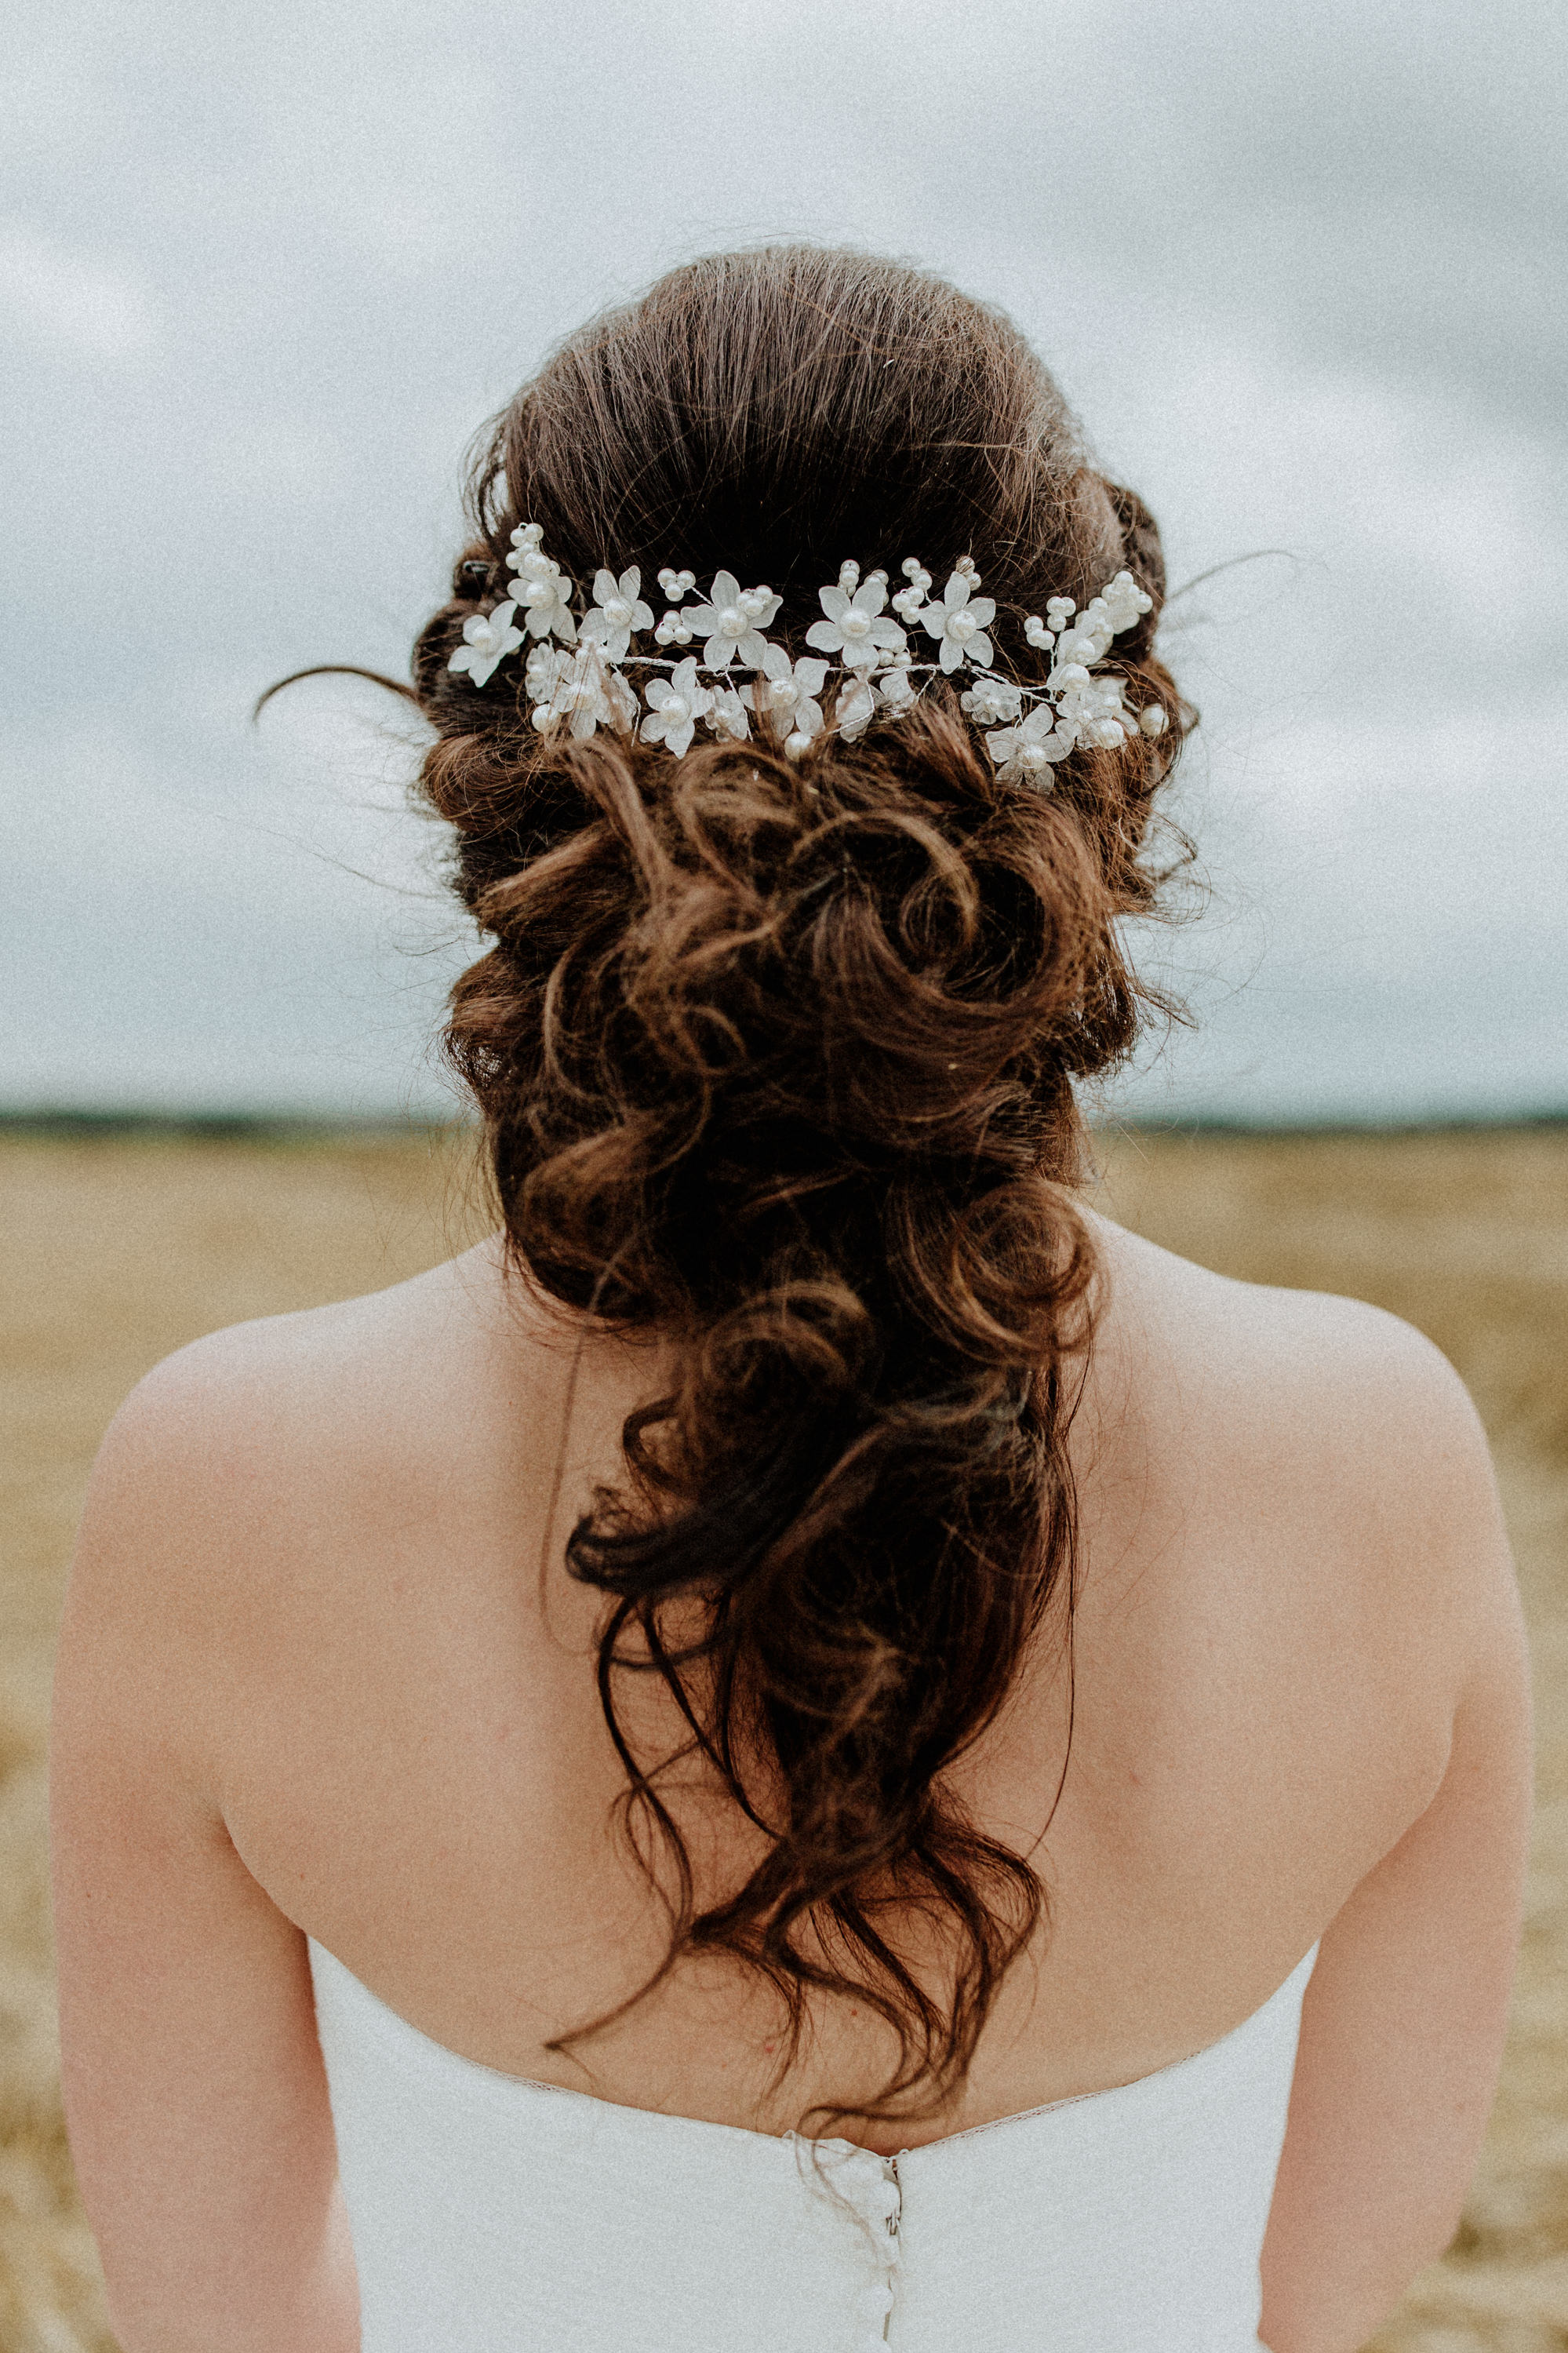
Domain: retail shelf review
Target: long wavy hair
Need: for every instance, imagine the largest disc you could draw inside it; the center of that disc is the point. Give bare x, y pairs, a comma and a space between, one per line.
776, 1062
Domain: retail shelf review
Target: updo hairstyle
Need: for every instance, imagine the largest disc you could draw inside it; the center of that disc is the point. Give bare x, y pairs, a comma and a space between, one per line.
775, 1061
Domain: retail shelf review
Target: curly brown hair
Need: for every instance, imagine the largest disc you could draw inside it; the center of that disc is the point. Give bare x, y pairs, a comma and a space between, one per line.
776, 1062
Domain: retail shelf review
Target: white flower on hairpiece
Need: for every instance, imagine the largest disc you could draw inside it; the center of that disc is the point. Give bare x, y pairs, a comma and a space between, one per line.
1083, 643
601, 697
894, 690
617, 611
728, 715
789, 691
1024, 752
852, 628
1117, 607
583, 693
543, 671
623, 699
734, 622
856, 709
959, 622
488, 638
1091, 707
544, 600
990, 700
677, 703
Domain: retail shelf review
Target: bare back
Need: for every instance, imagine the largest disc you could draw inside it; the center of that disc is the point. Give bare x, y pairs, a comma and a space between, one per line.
413, 1763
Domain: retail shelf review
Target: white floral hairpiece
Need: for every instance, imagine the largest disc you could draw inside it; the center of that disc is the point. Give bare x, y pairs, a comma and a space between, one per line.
579, 682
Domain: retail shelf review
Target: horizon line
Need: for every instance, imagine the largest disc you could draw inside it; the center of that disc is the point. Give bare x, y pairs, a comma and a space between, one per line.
86, 1122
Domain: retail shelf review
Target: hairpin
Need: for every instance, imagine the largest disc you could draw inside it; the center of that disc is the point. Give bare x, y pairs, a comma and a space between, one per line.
573, 668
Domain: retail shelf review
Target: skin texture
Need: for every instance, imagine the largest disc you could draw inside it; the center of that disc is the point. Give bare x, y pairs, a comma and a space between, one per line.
311, 1680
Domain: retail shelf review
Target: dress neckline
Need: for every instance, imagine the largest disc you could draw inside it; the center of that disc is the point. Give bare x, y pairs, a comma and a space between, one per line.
399, 2030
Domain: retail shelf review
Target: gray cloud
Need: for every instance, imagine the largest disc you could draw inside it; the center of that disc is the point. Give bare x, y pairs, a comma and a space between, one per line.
262, 272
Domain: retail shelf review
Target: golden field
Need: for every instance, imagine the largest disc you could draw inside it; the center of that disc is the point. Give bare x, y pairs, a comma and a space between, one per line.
120, 1248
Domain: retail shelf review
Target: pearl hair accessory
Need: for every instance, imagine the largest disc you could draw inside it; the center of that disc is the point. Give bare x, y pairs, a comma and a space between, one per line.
578, 681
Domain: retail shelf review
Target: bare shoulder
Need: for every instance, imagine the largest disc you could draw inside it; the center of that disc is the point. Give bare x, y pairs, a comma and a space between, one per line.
1272, 1354
274, 1361
1336, 1430
1314, 1340
273, 1439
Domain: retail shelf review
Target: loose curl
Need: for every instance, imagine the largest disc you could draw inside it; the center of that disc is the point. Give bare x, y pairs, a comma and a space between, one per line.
776, 1063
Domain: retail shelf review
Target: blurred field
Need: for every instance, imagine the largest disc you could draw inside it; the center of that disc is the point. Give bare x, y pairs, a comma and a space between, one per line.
118, 1250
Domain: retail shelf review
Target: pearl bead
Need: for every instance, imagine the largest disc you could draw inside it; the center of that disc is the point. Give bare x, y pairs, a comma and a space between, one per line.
1032, 756
618, 612
962, 626
1151, 721
797, 745
855, 624
731, 622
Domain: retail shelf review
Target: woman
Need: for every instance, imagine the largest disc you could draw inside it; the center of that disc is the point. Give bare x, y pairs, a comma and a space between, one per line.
790, 1752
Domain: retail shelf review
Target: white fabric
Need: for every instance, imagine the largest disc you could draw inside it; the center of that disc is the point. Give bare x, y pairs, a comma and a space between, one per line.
494, 2214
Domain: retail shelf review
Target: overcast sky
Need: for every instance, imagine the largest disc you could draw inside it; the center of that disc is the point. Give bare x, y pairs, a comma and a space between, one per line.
262, 272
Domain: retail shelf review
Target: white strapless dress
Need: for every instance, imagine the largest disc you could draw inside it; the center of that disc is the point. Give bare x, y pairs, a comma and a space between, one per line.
494, 2214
